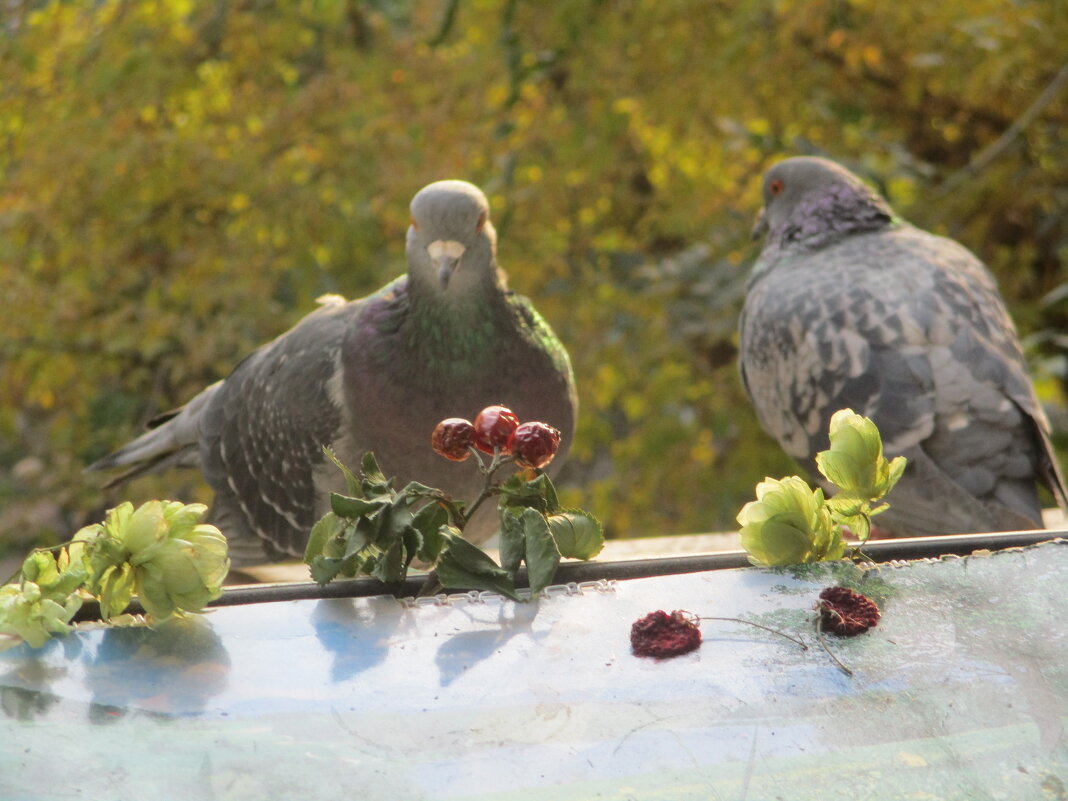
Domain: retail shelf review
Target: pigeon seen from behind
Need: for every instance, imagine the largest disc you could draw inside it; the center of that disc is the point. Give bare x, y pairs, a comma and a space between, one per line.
849, 306
376, 374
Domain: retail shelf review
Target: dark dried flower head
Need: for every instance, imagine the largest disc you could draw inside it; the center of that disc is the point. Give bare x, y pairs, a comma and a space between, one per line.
847, 613
662, 635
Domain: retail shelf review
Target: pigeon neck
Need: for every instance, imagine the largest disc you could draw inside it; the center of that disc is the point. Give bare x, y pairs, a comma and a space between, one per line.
458, 322
822, 218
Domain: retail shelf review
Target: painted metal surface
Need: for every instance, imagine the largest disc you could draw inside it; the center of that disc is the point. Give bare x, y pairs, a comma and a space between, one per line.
961, 692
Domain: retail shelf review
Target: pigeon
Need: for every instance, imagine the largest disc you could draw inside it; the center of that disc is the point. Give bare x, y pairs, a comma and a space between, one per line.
376, 374
849, 306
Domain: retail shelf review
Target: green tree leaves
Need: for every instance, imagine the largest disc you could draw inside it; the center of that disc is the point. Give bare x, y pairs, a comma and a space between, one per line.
181, 181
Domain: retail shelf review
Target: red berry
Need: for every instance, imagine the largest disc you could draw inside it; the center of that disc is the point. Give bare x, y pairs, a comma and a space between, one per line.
493, 426
534, 444
452, 438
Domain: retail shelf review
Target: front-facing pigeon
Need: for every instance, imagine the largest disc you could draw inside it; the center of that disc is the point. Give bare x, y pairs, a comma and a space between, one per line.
375, 374
848, 306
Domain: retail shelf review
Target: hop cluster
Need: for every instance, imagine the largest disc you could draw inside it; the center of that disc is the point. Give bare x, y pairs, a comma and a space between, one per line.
496, 430
847, 613
160, 551
662, 635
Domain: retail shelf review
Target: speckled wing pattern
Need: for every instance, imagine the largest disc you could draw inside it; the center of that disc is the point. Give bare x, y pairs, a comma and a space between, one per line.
263, 435
909, 329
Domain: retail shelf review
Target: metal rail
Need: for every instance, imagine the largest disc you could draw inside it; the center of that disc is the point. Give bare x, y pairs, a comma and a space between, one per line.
878, 550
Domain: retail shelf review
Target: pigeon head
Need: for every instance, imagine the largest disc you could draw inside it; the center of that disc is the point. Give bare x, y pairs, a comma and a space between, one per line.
451, 241
812, 202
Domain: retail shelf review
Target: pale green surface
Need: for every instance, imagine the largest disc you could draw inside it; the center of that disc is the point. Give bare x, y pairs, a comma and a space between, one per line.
961, 692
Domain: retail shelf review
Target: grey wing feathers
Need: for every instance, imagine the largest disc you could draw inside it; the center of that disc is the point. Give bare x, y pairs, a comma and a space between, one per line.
264, 434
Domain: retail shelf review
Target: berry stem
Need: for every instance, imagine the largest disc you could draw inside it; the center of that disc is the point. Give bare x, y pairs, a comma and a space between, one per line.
823, 644
759, 626
490, 489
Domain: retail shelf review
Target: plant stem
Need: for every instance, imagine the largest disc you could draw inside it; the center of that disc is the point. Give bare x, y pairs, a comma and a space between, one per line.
487, 470
759, 626
823, 643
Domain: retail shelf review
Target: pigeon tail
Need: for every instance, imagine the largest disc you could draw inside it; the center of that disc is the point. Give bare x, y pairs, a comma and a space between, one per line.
171, 441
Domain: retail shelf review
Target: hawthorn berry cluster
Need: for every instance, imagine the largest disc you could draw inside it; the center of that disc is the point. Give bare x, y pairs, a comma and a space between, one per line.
497, 431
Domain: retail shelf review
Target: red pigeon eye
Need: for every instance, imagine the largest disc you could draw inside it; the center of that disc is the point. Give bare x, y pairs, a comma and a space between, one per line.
481, 221
414, 226
775, 188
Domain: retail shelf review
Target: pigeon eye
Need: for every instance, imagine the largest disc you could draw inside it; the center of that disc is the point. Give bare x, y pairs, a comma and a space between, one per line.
414, 226
775, 188
481, 222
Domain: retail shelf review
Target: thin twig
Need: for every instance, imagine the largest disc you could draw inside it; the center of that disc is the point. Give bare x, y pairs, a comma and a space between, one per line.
447, 20
823, 643
488, 471
759, 626
1002, 143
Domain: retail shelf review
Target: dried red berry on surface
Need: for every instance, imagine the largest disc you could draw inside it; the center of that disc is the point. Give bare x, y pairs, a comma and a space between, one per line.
534, 444
662, 635
847, 613
452, 438
493, 426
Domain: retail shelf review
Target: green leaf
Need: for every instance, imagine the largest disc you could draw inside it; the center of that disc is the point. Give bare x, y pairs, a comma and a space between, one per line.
389, 566
578, 534
117, 590
67, 582
353, 564
465, 566
429, 521
542, 555
373, 481
413, 490
324, 569
538, 493
413, 542
40, 567
391, 523
846, 504
346, 506
328, 527
430, 517
359, 536
351, 481
895, 470
513, 541
777, 543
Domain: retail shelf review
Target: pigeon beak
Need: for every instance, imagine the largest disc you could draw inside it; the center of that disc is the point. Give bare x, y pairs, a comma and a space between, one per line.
760, 227
445, 254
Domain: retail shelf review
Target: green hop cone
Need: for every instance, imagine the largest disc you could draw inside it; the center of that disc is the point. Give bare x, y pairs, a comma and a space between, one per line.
855, 462
28, 615
160, 553
183, 574
789, 523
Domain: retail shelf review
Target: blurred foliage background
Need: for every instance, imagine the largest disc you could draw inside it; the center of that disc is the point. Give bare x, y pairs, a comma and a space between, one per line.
180, 180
